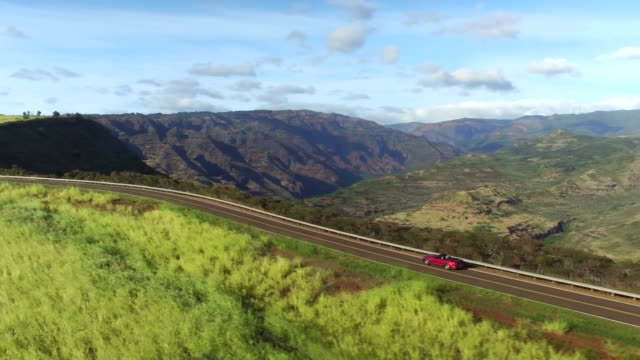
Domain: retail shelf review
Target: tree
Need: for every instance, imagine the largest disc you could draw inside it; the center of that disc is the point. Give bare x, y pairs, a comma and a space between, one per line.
25, 115
39, 113
56, 114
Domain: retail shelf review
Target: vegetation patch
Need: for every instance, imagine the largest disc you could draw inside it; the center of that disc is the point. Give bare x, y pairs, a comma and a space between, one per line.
79, 282
558, 327
486, 209
117, 205
338, 279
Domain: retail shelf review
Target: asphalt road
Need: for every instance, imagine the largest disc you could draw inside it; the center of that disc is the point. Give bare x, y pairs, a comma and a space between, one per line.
596, 304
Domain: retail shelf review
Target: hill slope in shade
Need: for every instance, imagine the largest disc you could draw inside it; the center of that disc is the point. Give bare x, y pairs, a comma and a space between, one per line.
284, 153
580, 191
487, 135
61, 145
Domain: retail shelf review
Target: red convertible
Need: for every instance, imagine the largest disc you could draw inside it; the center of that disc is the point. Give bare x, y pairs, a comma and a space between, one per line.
444, 260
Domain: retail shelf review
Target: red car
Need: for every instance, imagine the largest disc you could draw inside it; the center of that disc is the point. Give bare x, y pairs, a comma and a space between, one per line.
444, 260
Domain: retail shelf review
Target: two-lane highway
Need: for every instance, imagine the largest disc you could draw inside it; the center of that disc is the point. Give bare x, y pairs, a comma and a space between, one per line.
596, 304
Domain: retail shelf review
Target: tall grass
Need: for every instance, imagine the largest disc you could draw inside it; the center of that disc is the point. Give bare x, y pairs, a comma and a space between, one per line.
556, 326
91, 275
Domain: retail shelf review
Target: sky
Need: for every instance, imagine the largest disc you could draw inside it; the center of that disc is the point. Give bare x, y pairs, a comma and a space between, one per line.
387, 61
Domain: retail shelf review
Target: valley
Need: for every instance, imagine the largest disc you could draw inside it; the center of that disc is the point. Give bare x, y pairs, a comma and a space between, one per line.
572, 190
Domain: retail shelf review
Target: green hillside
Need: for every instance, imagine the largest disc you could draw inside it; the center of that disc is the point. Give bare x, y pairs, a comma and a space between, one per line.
96, 275
9, 118
589, 187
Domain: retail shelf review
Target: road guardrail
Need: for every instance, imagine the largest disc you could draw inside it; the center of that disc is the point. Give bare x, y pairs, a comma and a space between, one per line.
551, 279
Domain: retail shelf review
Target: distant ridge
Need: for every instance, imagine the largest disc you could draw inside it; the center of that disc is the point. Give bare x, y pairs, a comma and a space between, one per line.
489, 135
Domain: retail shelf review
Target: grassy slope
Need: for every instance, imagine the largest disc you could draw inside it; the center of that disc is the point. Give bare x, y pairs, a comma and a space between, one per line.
591, 182
9, 118
101, 276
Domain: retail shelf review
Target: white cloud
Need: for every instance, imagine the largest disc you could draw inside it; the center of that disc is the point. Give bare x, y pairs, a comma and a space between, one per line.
40, 74
510, 109
246, 85
423, 17
65, 73
34, 75
189, 89
348, 38
356, 97
269, 60
181, 95
318, 59
222, 70
551, 67
240, 98
210, 4
14, 33
357, 9
277, 95
469, 79
468, 109
292, 89
393, 109
298, 38
169, 104
428, 68
390, 54
149, 82
492, 26
298, 9
123, 90
620, 104
625, 53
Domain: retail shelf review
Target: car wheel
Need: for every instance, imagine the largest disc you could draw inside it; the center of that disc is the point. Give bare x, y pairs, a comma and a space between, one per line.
447, 267
426, 262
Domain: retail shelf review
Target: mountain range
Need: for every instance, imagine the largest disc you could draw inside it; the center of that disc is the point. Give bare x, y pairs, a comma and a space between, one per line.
489, 135
290, 154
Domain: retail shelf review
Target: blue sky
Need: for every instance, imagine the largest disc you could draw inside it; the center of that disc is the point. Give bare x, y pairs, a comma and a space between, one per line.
387, 61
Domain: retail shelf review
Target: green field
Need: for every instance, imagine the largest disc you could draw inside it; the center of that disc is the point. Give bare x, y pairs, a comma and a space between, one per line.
9, 118
96, 275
